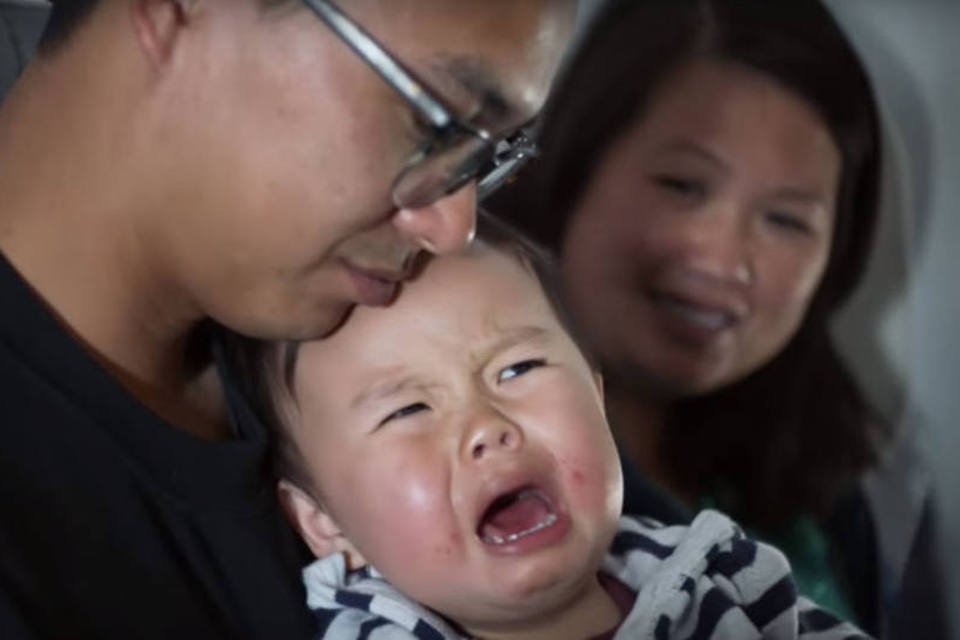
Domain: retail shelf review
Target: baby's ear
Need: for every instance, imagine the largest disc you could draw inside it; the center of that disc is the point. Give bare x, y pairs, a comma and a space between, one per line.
317, 528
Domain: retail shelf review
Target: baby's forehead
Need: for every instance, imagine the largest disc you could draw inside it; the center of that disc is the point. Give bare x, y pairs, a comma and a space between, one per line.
485, 274
479, 294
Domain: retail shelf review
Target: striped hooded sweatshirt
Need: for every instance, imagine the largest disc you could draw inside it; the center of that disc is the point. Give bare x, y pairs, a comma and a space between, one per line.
706, 580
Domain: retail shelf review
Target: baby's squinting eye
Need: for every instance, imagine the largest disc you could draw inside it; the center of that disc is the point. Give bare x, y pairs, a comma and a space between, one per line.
403, 412
519, 369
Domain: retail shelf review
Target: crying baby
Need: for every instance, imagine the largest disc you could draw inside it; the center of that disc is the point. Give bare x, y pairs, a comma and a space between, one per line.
448, 461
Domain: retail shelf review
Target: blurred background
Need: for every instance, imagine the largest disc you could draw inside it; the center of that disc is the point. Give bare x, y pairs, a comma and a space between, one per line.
901, 331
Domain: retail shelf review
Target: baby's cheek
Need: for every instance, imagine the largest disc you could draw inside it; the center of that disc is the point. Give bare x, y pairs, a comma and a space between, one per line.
445, 549
589, 480
591, 471
416, 503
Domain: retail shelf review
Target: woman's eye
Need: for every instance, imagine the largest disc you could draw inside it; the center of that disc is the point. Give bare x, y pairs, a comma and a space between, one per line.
789, 222
680, 185
404, 412
519, 369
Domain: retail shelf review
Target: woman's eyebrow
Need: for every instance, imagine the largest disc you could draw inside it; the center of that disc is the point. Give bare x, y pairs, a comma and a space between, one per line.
682, 147
801, 195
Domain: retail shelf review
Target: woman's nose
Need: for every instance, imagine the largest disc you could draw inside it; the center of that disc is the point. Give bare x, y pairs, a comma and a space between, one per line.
720, 246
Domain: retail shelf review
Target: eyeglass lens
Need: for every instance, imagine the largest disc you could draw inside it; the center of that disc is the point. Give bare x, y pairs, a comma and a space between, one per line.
446, 171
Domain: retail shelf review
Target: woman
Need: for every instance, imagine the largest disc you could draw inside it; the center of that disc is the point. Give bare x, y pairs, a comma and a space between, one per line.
709, 180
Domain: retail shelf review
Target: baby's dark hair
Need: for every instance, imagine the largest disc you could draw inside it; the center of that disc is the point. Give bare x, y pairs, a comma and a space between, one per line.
264, 370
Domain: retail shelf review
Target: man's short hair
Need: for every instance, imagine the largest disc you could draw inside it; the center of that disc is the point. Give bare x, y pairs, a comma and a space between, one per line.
67, 15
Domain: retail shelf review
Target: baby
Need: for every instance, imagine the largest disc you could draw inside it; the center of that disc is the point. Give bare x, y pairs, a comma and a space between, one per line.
448, 461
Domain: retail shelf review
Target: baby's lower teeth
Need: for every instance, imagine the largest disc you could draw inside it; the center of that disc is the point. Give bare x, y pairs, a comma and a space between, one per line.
513, 537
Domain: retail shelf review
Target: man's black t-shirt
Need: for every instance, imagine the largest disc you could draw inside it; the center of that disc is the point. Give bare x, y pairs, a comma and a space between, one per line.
113, 523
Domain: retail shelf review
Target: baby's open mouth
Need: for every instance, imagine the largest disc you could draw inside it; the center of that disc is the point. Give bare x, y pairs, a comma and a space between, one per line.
516, 515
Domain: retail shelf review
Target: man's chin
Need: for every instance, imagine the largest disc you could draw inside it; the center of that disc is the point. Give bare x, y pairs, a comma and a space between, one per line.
336, 321
320, 325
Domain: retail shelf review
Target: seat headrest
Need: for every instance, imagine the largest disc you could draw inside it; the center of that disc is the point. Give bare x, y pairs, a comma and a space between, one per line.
21, 23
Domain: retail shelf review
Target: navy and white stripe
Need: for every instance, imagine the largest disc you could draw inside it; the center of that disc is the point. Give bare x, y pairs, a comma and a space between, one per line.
705, 581
361, 605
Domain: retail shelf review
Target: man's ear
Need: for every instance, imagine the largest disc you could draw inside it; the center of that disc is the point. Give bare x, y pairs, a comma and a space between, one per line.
317, 528
159, 23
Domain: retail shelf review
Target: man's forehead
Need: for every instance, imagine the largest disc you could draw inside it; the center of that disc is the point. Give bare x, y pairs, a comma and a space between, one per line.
503, 53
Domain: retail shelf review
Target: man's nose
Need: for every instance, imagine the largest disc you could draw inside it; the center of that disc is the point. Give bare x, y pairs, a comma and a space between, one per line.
490, 433
444, 226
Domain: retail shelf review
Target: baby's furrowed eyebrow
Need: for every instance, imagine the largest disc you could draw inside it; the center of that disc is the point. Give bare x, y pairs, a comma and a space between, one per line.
511, 337
386, 388
505, 339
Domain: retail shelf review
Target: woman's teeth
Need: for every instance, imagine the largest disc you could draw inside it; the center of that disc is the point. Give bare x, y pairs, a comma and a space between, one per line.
697, 316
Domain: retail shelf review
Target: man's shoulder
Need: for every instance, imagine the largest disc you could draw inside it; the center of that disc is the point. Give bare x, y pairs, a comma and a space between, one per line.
102, 503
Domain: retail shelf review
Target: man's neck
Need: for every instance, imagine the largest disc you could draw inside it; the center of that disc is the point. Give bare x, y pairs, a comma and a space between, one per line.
65, 228
167, 366
185, 390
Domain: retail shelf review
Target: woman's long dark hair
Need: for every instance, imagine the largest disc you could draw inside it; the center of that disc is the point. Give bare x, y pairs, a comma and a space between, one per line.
794, 435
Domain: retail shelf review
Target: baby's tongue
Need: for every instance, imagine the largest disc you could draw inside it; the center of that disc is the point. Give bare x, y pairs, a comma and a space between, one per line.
513, 515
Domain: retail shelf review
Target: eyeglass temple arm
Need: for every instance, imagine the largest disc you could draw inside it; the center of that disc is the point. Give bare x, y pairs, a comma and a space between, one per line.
382, 62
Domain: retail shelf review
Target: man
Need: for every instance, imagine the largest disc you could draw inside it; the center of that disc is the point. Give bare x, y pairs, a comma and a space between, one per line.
171, 166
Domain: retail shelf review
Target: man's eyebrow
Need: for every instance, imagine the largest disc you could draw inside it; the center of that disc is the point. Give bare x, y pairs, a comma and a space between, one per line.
478, 79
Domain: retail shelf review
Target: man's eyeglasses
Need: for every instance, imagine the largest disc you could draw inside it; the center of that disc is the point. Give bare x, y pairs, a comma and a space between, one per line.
458, 151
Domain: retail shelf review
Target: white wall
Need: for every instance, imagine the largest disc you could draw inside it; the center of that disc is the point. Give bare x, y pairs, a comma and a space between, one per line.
912, 50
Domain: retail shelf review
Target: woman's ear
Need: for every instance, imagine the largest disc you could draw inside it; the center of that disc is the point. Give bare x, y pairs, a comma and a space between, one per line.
315, 525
